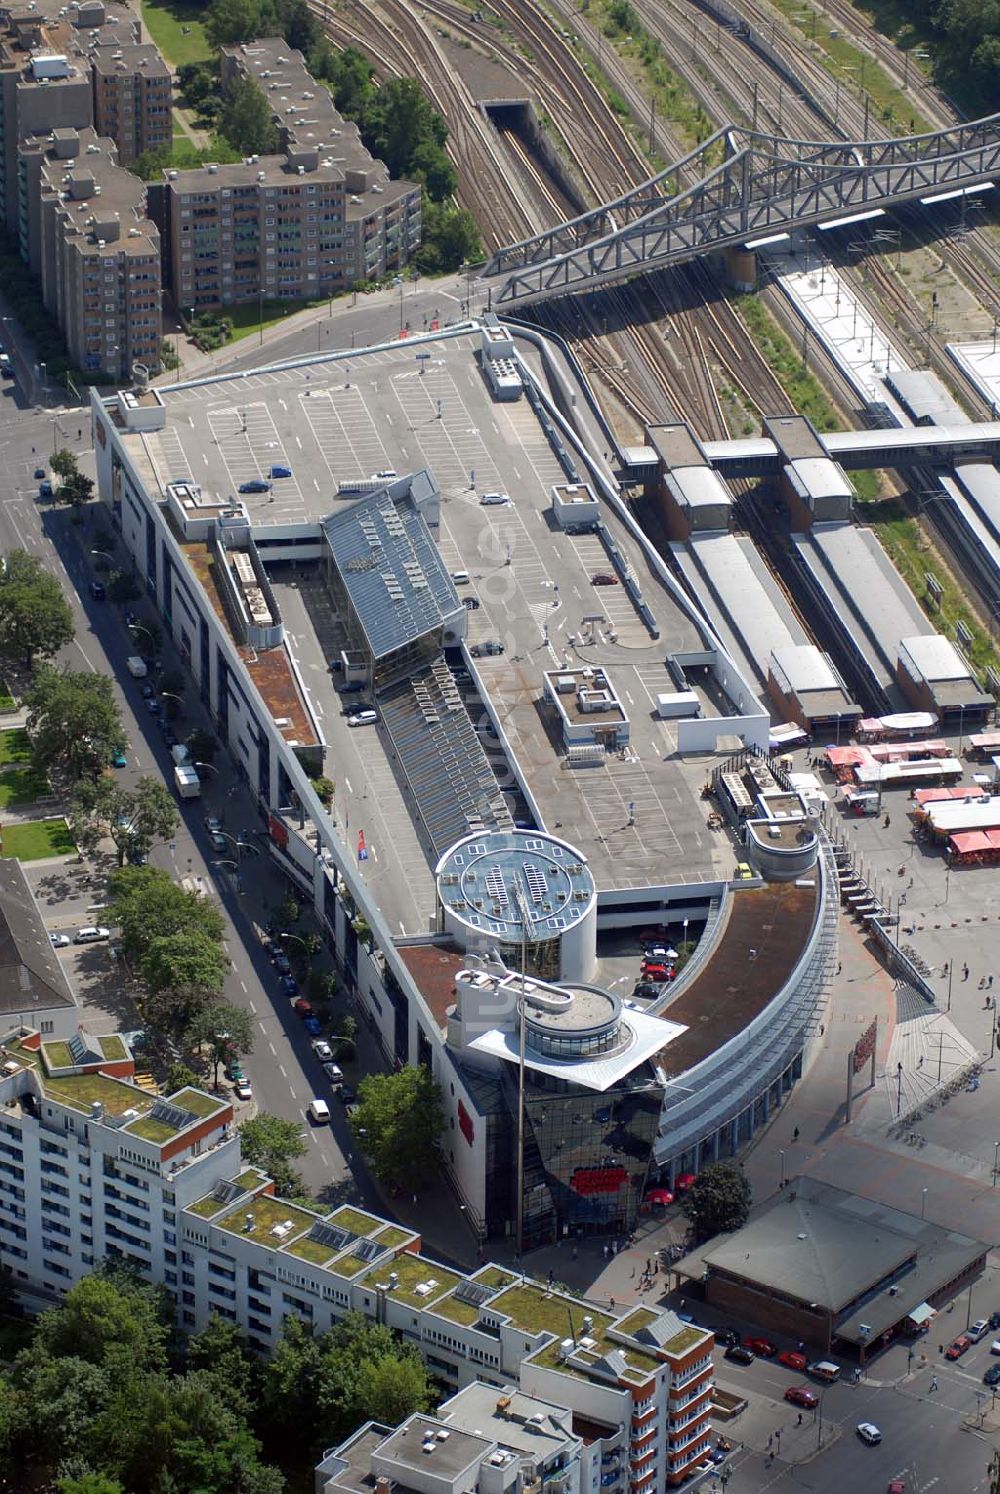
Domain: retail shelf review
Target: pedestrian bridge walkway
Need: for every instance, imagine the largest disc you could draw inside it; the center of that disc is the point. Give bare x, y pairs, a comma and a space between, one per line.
744, 189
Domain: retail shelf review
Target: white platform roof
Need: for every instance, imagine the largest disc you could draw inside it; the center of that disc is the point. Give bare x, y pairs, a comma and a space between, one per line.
600, 1072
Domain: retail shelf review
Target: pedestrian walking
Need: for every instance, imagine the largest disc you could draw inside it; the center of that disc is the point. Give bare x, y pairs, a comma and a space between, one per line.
795, 1134
920, 1061
799, 1422
989, 983
982, 982
934, 1382
965, 972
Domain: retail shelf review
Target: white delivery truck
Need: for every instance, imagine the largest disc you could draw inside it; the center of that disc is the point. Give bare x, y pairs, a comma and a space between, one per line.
137, 667
678, 703
187, 781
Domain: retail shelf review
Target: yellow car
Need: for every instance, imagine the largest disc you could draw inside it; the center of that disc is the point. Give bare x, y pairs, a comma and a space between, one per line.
743, 872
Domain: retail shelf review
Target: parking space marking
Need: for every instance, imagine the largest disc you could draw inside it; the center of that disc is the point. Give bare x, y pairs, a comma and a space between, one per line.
345, 432
166, 453
614, 602
446, 433
249, 444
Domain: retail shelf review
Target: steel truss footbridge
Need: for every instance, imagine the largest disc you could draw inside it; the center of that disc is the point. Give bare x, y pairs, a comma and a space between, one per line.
740, 188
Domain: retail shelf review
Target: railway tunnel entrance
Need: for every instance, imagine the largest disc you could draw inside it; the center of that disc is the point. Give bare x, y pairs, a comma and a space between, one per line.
535, 154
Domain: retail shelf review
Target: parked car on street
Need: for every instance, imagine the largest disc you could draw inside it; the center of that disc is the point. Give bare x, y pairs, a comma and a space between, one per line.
801, 1395
289, 985
60, 941
762, 1347
792, 1360
91, 934
739, 1354
961, 1346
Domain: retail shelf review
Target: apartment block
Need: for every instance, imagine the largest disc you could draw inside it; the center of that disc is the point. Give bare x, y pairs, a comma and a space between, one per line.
132, 99
479, 1442
91, 1165
98, 254
46, 57
307, 222
273, 227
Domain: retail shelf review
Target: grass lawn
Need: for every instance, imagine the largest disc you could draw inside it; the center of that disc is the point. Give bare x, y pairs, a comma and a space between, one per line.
168, 20
21, 786
14, 746
7, 701
38, 839
246, 319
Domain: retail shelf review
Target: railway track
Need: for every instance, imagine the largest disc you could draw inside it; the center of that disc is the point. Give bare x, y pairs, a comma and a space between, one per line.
400, 41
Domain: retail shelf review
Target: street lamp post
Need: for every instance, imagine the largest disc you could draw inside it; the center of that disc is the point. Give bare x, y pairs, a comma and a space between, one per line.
996, 1163
923, 1198
781, 1154
141, 628
285, 934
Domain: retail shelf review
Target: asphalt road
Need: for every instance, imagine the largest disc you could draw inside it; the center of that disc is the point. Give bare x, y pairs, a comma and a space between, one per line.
361, 321
283, 1070
929, 1438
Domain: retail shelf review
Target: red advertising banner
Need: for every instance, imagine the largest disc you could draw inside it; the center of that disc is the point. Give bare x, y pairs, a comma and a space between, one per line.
587, 1180
465, 1125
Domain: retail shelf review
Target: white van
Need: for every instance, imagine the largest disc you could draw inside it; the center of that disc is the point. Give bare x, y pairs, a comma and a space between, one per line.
363, 718
319, 1112
460, 578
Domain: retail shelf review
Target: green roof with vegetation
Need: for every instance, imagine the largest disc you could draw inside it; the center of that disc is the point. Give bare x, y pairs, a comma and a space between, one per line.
684, 1338
392, 1237
348, 1265
207, 1206
267, 1214
531, 1307
637, 1321
112, 1047
197, 1102
354, 1220
494, 1276
413, 1272
457, 1311
57, 1055
82, 1090
311, 1250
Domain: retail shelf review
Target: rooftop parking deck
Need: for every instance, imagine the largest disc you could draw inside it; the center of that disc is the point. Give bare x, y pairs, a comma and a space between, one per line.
636, 815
